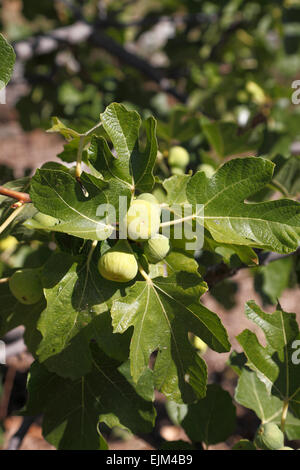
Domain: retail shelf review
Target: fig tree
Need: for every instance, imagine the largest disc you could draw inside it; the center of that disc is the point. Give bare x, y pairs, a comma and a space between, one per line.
118, 263
157, 248
269, 437
26, 286
178, 157
143, 220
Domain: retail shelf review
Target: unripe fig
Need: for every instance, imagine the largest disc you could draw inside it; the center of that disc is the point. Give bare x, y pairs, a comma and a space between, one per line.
26, 286
143, 220
207, 169
8, 243
157, 248
118, 263
178, 157
46, 220
269, 437
177, 171
199, 344
148, 197
285, 448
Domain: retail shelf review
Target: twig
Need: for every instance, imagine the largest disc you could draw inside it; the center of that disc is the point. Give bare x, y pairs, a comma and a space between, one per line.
8, 385
21, 197
12, 216
219, 272
17, 439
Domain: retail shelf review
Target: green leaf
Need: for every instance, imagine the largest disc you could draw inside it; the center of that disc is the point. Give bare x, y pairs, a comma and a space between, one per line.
253, 394
212, 419
272, 225
61, 128
55, 192
275, 278
7, 61
170, 307
76, 297
280, 330
176, 189
123, 126
225, 139
73, 409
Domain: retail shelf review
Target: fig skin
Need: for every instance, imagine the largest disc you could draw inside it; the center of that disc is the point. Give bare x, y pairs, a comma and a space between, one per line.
143, 220
178, 157
26, 286
148, 197
118, 264
269, 437
157, 248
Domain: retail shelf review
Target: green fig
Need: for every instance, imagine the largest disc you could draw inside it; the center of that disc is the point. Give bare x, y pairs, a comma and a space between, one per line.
118, 263
143, 220
269, 437
26, 286
178, 157
157, 248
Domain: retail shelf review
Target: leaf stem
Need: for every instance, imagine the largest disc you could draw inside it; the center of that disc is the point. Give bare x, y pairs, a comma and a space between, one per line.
178, 221
79, 157
91, 130
145, 275
12, 216
284, 414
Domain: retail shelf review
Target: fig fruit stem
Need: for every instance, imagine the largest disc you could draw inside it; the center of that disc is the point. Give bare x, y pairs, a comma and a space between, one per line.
11, 217
284, 414
21, 197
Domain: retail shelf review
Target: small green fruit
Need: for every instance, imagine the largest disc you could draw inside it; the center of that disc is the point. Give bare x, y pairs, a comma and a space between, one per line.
269, 437
199, 344
46, 220
26, 286
207, 169
8, 243
157, 248
143, 220
118, 264
285, 448
178, 157
148, 197
177, 171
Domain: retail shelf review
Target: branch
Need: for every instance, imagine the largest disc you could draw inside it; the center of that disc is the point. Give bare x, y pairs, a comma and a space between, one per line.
21, 197
219, 272
17, 439
83, 31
